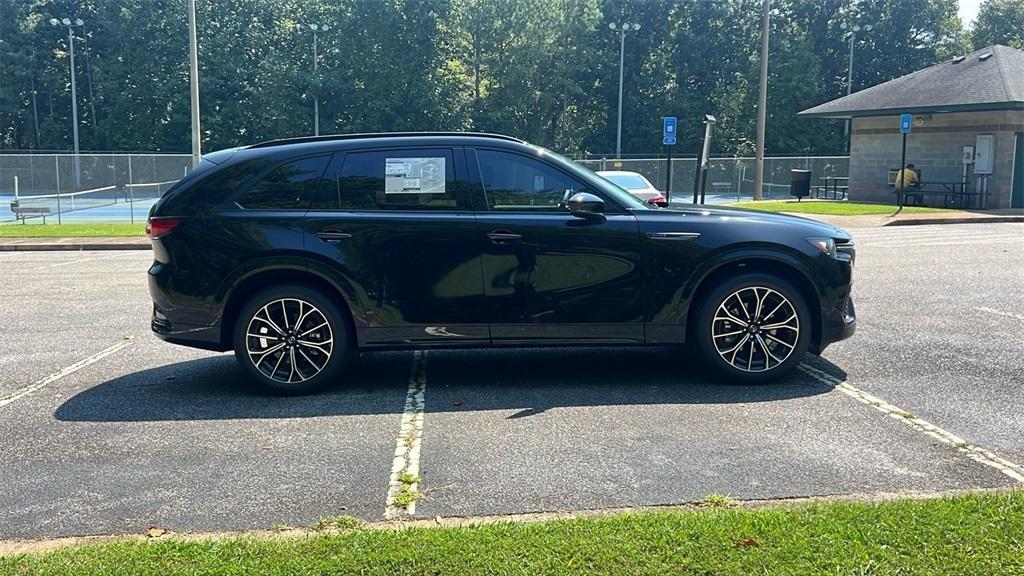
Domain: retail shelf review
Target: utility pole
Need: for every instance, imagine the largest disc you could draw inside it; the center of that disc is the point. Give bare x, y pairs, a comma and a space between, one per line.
193, 62
622, 29
762, 101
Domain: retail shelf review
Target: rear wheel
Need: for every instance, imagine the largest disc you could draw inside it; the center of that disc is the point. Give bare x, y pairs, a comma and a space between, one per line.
754, 328
292, 339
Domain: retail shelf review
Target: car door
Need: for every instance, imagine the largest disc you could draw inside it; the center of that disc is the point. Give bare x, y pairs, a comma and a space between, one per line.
547, 274
396, 225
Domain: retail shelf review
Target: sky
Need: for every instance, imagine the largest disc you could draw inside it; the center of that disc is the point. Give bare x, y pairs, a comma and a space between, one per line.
968, 10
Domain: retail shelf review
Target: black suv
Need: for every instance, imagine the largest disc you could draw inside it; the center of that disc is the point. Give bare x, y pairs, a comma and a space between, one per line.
299, 253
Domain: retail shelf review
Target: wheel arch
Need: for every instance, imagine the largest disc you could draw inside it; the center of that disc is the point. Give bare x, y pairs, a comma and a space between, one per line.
258, 280
781, 267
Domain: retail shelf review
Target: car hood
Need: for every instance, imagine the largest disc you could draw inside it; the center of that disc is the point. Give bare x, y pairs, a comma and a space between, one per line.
686, 213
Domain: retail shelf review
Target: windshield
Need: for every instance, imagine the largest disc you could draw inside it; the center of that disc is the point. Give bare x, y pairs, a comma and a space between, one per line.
628, 181
623, 198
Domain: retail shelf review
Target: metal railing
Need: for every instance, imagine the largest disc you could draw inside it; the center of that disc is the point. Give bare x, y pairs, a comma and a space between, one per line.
96, 187
729, 178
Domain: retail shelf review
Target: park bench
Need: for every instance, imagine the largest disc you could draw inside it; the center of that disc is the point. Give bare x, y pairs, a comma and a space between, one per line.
21, 212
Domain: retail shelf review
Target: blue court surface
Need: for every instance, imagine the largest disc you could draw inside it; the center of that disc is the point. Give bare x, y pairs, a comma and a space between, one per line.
80, 210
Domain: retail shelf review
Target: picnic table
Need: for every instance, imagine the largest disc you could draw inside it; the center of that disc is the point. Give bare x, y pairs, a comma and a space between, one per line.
951, 190
833, 183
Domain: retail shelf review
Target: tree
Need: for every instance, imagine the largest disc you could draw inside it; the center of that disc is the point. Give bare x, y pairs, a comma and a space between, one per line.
543, 70
999, 22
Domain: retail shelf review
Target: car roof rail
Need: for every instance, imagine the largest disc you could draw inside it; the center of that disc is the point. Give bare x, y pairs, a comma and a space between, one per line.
361, 136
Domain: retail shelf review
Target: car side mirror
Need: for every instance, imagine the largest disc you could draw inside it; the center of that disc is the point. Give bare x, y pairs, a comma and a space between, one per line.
587, 206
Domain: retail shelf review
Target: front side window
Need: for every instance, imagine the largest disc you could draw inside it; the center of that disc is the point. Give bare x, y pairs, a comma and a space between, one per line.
407, 179
516, 183
287, 186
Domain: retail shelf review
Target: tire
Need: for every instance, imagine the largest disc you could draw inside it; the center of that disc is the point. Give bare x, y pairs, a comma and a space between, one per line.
291, 340
749, 352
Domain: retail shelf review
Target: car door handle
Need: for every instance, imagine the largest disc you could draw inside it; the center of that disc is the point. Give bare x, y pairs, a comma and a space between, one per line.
502, 237
332, 236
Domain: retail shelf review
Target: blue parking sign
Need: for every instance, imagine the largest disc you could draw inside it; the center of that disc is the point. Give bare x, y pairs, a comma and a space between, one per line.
668, 131
905, 121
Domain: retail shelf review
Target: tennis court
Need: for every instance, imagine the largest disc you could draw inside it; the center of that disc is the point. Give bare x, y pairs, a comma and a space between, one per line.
125, 203
85, 188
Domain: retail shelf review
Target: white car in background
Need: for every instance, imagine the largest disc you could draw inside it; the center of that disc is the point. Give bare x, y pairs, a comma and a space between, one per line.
635, 184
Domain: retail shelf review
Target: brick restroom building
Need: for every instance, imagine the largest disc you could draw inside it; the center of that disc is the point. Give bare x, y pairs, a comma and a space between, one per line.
971, 106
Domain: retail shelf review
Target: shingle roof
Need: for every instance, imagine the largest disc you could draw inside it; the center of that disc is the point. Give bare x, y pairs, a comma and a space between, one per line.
974, 83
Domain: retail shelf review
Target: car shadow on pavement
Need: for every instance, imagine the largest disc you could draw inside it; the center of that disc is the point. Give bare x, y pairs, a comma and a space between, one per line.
529, 381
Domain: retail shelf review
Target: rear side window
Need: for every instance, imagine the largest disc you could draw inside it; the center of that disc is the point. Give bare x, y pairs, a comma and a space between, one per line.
286, 187
406, 179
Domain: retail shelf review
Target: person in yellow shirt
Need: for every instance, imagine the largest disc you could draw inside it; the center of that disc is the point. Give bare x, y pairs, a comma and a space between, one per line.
906, 178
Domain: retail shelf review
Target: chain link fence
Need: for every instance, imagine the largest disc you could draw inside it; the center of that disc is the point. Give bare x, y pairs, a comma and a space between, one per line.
96, 187
122, 187
728, 179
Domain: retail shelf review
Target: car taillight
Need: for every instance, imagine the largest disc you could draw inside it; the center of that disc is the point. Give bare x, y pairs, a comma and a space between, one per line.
658, 201
157, 227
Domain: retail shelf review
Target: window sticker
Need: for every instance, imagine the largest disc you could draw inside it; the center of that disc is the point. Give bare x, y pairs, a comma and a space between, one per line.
414, 176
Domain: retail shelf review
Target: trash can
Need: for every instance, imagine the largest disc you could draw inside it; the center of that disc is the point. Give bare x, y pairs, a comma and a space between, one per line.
800, 183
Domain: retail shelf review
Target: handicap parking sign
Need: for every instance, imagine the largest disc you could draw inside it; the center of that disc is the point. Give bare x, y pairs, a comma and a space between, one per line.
905, 121
668, 131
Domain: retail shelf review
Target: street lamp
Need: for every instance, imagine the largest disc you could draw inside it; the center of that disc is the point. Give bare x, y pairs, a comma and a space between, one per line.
314, 28
74, 89
621, 29
849, 72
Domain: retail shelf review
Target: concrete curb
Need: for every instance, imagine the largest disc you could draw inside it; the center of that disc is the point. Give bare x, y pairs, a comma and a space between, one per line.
72, 246
965, 220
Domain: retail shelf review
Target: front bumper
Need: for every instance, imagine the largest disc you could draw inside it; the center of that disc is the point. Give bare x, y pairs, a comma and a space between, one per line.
838, 325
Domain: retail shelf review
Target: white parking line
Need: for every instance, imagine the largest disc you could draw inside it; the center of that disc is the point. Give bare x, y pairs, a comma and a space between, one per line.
976, 453
999, 312
65, 372
81, 260
405, 468
941, 242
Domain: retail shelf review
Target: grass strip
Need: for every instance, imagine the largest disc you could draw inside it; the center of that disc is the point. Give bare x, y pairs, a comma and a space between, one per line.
968, 534
830, 207
84, 230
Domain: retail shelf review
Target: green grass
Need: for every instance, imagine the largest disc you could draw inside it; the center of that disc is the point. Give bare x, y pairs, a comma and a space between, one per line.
71, 230
829, 207
971, 534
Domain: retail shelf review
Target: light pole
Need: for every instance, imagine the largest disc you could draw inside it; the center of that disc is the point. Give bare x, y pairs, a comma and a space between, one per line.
74, 89
621, 29
849, 74
193, 79
316, 96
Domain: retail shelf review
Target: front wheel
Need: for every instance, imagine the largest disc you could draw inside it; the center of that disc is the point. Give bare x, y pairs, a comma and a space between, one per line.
291, 340
754, 328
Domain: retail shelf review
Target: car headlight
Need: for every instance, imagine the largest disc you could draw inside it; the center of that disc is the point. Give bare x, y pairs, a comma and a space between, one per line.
825, 245
842, 250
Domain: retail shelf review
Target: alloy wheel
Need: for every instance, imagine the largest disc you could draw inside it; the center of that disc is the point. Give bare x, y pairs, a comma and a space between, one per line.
755, 329
289, 340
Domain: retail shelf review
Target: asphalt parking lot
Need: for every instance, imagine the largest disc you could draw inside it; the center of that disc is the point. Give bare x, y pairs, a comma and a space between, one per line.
105, 429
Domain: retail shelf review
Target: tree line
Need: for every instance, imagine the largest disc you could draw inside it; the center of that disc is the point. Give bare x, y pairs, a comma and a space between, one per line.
543, 70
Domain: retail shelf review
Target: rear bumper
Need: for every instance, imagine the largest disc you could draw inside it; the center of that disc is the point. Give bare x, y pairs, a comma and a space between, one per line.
179, 323
204, 337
